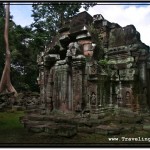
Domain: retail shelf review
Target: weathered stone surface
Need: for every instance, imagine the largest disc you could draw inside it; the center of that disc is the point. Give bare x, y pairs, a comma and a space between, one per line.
17, 108
37, 128
129, 120
128, 128
61, 130
36, 117
52, 130
65, 120
146, 127
29, 123
32, 111
138, 127
86, 129
126, 36
84, 122
108, 129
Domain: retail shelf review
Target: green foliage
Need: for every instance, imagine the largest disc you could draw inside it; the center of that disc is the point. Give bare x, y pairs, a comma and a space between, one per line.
103, 62
50, 16
2, 46
10, 119
23, 54
2, 10
26, 42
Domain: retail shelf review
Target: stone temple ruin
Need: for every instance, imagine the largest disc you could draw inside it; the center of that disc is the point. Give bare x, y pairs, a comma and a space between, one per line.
91, 67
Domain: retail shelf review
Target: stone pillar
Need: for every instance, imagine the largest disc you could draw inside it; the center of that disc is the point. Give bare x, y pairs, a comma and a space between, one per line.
120, 93
46, 78
77, 87
110, 102
49, 92
143, 87
142, 73
42, 88
70, 103
84, 103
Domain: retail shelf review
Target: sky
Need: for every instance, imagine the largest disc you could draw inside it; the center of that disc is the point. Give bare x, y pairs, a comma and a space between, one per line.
124, 15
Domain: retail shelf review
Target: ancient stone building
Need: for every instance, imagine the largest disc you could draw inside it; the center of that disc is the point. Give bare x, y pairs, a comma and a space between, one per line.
93, 65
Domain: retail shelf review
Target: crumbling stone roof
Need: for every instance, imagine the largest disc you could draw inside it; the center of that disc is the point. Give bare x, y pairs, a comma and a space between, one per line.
79, 21
118, 36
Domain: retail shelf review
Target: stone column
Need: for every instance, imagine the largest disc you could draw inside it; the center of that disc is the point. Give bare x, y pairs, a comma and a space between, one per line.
70, 88
42, 94
110, 102
46, 78
142, 73
49, 92
143, 87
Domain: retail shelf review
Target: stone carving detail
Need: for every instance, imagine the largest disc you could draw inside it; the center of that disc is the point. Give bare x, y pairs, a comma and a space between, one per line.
74, 49
93, 98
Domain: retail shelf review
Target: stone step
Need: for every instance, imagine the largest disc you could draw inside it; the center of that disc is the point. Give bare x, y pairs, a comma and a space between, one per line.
108, 129
23, 119
40, 124
72, 121
37, 128
128, 128
67, 125
146, 119
61, 130
126, 112
29, 123
146, 127
29, 107
66, 120
129, 120
17, 108
91, 123
57, 119
85, 129
32, 111
35, 117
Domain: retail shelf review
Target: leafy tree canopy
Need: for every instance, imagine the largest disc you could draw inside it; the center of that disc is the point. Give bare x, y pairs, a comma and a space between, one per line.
48, 17
26, 42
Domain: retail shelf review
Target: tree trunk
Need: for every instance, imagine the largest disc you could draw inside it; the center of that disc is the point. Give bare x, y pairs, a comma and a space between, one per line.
5, 84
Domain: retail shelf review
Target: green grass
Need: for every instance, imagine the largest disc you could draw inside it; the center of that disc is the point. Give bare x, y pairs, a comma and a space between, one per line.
12, 132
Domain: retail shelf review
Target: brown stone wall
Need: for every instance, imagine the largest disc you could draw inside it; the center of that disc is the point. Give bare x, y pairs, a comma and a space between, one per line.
123, 36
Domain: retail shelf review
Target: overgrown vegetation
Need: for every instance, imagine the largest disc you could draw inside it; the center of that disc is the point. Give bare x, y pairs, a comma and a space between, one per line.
26, 42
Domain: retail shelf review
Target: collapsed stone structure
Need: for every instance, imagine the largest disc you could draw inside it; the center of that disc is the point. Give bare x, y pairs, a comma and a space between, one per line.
91, 72
93, 64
